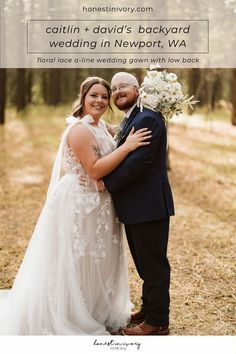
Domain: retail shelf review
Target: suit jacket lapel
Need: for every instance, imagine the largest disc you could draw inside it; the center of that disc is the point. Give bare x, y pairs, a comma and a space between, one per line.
131, 118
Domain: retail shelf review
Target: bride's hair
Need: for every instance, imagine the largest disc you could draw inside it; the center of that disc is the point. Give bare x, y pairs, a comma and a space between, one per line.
78, 105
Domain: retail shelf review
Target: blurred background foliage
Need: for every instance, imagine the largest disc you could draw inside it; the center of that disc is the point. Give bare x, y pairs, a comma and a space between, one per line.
24, 90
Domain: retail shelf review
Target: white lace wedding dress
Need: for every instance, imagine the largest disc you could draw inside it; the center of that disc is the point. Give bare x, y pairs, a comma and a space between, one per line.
73, 279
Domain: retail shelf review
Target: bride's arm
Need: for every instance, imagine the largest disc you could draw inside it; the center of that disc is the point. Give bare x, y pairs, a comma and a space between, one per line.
86, 150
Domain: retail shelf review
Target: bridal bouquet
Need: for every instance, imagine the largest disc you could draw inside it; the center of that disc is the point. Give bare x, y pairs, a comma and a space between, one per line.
161, 92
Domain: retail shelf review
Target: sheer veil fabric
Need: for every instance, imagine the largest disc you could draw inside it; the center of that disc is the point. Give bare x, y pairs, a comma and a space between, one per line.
73, 279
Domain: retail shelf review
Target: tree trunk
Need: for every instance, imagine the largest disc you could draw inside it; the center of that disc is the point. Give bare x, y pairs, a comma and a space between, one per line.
29, 86
44, 86
21, 89
51, 86
3, 78
195, 84
216, 89
233, 117
54, 86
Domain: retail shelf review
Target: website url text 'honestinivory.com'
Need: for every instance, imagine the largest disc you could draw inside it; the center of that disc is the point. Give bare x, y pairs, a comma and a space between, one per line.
124, 9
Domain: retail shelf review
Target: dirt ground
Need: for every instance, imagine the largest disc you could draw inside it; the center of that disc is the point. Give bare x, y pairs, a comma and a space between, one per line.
202, 235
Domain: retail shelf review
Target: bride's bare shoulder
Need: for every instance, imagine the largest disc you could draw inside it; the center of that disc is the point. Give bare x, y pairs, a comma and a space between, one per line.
79, 134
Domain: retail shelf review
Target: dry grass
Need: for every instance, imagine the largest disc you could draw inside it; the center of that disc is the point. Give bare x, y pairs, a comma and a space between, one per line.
201, 247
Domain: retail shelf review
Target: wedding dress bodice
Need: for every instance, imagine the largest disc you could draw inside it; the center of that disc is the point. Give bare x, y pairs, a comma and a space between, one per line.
105, 142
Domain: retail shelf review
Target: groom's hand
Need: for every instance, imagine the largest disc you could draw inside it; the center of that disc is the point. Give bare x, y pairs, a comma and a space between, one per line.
100, 185
82, 181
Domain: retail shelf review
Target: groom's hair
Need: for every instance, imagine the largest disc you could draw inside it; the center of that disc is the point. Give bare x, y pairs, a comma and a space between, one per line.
126, 77
78, 105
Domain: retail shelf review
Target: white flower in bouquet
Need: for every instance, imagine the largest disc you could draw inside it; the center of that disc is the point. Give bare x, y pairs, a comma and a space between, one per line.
154, 67
159, 85
152, 73
177, 86
171, 77
169, 87
149, 81
179, 95
161, 92
152, 99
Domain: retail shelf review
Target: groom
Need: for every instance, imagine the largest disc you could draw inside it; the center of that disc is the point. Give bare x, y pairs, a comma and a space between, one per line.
143, 201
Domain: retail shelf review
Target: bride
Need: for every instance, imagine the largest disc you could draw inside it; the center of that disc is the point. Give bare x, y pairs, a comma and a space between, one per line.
73, 278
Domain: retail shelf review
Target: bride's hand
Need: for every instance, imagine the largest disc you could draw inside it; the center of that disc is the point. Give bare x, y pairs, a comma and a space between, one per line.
137, 139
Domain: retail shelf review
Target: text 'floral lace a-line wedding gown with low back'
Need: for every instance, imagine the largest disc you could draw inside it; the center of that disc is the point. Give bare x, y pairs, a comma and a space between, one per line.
73, 279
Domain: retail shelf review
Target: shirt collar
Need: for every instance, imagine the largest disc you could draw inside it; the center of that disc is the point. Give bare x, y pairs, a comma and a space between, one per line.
128, 113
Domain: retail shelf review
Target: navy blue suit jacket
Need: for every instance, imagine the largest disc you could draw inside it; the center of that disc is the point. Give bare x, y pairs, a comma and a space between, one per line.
139, 185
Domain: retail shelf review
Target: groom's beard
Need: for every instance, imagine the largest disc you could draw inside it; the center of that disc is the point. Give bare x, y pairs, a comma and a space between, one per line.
125, 105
